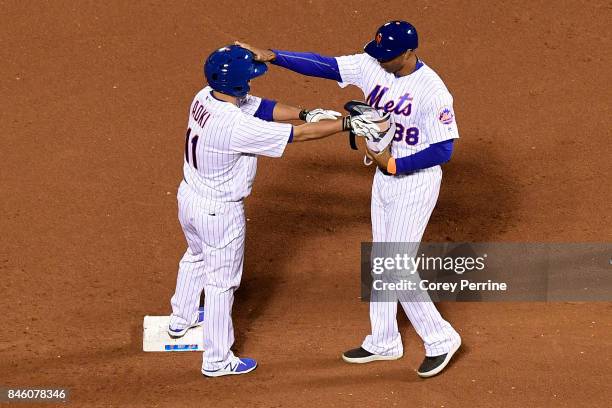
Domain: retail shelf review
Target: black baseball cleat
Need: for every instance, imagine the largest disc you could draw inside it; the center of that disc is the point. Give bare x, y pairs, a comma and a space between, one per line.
434, 365
360, 356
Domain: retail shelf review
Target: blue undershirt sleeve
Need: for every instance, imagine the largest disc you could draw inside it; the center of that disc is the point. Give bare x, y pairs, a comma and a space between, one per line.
308, 63
435, 154
265, 111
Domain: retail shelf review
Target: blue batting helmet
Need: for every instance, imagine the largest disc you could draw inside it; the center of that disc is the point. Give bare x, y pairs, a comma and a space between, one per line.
229, 69
392, 39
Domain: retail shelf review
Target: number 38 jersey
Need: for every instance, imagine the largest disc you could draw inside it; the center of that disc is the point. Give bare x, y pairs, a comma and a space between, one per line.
222, 144
419, 103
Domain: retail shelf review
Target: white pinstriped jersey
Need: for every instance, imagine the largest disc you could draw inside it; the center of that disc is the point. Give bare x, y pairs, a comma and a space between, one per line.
420, 104
422, 109
222, 145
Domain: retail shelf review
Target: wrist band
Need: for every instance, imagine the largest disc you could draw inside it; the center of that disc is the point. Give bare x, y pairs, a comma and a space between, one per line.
346, 123
391, 168
303, 114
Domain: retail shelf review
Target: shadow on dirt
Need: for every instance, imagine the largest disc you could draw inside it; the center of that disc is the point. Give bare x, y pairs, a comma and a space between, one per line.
289, 214
476, 204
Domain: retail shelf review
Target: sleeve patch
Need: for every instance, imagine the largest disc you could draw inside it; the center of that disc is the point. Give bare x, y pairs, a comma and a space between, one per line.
446, 116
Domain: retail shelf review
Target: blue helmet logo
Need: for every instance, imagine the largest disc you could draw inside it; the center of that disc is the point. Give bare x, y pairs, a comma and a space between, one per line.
229, 69
392, 39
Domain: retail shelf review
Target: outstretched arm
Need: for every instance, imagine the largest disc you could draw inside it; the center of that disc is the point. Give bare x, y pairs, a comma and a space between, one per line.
308, 63
270, 110
361, 125
313, 131
305, 63
285, 112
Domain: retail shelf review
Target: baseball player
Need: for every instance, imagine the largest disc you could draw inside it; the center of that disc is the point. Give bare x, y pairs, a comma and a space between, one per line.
227, 130
407, 180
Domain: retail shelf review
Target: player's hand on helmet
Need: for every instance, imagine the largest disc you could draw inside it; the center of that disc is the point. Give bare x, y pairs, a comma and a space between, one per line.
319, 114
260, 54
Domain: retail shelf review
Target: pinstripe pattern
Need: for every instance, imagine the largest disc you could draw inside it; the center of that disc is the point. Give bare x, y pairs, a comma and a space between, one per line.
402, 205
227, 147
211, 213
428, 96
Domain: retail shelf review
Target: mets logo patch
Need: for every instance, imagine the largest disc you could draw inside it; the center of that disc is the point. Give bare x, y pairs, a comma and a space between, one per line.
446, 116
378, 38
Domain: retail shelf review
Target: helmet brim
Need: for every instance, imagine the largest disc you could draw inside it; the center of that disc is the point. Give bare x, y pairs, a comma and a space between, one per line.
259, 68
377, 52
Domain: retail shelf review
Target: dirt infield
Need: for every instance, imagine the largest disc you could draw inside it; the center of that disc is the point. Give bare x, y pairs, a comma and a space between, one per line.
94, 105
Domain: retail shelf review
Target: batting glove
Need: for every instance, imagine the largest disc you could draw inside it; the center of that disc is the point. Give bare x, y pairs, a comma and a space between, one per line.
317, 115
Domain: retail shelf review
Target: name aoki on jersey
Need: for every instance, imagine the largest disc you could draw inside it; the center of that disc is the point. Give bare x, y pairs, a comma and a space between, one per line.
199, 114
398, 108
